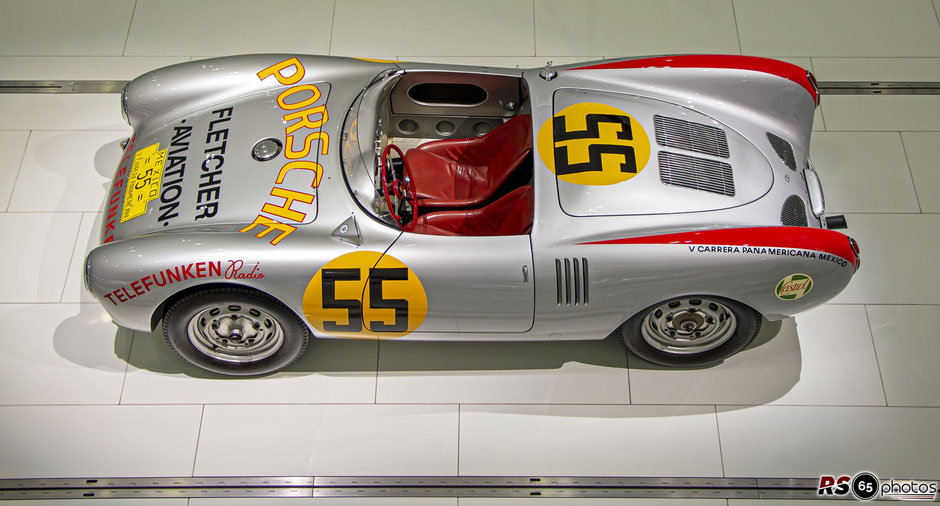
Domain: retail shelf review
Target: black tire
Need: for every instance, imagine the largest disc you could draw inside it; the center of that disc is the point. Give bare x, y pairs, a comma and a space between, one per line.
258, 335
726, 341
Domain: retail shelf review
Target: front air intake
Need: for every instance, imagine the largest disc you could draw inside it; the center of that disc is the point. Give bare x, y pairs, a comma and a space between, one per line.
793, 213
681, 134
696, 173
784, 150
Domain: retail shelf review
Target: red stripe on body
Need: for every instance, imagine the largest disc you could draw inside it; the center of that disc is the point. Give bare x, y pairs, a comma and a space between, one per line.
816, 239
717, 61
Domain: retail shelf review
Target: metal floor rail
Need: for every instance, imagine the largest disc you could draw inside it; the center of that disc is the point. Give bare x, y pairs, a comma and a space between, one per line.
825, 87
417, 486
407, 486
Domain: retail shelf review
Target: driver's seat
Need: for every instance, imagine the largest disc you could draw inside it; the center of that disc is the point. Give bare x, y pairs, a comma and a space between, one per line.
511, 214
467, 172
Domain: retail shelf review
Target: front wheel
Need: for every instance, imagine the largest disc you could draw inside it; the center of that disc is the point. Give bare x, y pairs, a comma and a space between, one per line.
234, 331
690, 331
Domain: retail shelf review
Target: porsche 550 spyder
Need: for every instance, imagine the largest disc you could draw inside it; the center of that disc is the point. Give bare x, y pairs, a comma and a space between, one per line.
265, 199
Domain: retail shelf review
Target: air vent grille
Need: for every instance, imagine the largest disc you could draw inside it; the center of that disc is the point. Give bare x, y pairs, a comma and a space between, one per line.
571, 276
793, 213
682, 134
696, 173
784, 150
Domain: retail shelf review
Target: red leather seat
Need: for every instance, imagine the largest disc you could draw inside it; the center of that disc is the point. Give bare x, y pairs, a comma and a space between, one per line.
511, 214
466, 172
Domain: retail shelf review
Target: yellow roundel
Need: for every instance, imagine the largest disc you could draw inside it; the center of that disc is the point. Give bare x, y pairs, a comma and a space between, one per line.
593, 144
364, 294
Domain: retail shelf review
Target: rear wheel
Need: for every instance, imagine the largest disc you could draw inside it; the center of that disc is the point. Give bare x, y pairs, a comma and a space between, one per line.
690, 331
235, 331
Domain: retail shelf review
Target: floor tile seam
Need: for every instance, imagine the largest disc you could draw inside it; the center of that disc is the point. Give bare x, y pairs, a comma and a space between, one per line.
858, 213
616, 55
70, 55
870, 131
127, 365
719, 405
881, 57
474, 404
202, 417
329, 45
68, 270
484, 404
737, 32
822, 120
284, 404
871, 335
831, 212
889, 305
935, 13
378, 359
535, 34
721, 455
19, 169
910, 172
85, 302
771, 403
130, 24
879, 407
53, 212
629, 377
118, 131
876, 131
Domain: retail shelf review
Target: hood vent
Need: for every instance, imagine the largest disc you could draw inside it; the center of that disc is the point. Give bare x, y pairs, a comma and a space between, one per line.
793, 213
784, 150
571, 278
681, 134
696, 173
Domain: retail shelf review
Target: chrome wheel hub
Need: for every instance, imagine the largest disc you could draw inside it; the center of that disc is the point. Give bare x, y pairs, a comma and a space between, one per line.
688, 325
235, 333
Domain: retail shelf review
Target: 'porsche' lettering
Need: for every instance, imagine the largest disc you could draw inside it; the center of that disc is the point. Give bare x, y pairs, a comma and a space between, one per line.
277, 69
210, 184
277, 214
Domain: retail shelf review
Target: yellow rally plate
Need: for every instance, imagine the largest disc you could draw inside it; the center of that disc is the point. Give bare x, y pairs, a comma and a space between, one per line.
143, 183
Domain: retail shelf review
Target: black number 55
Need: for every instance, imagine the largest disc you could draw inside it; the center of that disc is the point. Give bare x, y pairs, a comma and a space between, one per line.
353, 307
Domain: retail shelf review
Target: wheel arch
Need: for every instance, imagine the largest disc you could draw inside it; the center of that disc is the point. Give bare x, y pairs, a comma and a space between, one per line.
160, 310
744, 301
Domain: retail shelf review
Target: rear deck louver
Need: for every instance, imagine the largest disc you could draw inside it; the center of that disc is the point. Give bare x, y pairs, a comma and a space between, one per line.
793, 213
696, 173
784, 150
571, 276
682, 134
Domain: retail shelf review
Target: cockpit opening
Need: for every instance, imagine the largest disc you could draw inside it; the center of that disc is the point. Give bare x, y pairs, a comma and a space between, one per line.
444, 153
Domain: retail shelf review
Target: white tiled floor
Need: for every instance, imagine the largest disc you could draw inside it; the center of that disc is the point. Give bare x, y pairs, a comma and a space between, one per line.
850, 385
610, 27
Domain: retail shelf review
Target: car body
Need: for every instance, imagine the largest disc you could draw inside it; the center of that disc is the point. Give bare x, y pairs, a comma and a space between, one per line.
537, 204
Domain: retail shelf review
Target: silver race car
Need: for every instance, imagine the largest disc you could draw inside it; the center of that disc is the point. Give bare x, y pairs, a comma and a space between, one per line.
265, 199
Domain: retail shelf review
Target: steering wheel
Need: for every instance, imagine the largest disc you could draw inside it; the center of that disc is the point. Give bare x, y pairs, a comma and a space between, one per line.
404, 189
